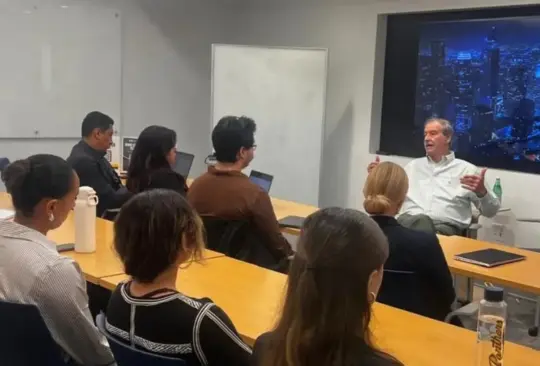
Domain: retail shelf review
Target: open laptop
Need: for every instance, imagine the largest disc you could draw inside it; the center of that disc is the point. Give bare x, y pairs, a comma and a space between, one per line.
183, 163
263, 180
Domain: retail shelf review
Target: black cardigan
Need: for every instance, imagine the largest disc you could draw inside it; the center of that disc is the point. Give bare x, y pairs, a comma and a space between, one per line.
164, 179
416, 275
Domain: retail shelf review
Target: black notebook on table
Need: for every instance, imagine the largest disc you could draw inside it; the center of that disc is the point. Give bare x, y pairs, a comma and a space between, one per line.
489, 257
294, 222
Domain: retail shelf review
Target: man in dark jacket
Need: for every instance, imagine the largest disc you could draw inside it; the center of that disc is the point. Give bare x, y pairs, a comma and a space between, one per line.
88, 159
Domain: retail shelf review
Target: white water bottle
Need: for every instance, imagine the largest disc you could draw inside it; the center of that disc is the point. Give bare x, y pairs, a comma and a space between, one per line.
85, 220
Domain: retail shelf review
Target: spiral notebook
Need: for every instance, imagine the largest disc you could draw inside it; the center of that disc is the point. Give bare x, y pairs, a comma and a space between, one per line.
489, 257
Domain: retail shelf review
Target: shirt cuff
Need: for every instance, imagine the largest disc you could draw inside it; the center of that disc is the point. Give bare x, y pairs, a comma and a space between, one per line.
490, 202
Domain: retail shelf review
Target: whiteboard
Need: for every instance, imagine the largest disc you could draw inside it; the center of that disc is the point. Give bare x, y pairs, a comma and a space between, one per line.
58, 64
284, 91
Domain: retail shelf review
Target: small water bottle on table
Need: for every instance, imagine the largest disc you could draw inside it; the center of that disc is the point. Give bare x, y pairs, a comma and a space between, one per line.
497, 189
85, 220
491, 328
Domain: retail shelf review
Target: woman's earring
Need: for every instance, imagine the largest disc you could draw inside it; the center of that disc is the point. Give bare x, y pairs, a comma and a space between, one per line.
51, 217
372, 297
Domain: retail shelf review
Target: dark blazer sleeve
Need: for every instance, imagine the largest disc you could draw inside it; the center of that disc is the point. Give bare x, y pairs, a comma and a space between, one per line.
435, 268
168, 179
91, 174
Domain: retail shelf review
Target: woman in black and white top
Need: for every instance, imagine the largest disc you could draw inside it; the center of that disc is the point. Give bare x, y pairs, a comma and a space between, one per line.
155, 232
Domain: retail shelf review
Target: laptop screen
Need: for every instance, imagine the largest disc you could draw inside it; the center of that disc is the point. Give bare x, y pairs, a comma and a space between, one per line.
183, 163
261, 179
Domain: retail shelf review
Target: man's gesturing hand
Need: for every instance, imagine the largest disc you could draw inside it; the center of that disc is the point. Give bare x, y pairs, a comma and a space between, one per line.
475, 183
372, 165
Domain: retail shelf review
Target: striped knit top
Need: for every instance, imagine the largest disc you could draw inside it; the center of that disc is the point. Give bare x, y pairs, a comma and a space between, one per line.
171, 324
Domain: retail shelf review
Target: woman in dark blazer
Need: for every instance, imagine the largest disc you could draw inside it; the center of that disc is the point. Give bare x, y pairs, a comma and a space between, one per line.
416, 275
152, 160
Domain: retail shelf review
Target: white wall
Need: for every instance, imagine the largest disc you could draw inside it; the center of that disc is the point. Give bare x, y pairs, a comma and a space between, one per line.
166, 79
166, 70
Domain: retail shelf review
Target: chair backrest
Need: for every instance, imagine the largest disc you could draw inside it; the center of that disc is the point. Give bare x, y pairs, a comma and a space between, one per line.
225, 236
110, 214
126, 355
396, 289
4, 162
408, 290
25, 339
239, 239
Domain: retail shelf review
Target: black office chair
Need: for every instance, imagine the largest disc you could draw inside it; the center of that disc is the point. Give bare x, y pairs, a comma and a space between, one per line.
25, 339
240, 240
405, 290
4, 162
127, 355
110, 214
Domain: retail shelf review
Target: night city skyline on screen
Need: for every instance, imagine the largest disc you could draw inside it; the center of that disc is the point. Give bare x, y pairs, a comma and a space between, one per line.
484, 76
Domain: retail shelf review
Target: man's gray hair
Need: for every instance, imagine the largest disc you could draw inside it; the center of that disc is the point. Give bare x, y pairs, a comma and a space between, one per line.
448, 129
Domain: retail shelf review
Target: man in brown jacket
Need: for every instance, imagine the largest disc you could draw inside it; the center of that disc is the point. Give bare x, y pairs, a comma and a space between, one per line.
225, 192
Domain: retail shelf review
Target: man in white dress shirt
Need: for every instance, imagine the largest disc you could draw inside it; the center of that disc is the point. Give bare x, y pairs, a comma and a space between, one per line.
443, 188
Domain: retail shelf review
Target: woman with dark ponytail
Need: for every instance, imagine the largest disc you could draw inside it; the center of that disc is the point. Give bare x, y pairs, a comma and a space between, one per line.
333, 282
43, 189
416, 276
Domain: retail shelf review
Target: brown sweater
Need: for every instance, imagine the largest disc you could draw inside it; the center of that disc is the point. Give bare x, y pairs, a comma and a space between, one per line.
232, 196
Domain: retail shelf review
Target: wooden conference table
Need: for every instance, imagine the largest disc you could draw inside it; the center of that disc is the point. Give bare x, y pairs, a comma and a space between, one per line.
519, 275
101, 263
252, 298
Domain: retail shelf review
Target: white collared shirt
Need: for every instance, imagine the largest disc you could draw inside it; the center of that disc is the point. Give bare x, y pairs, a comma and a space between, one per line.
435, 190
32, 272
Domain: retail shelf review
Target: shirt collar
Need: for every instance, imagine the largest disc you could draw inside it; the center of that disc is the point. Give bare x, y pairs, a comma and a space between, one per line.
91, 151
236, 173
10, 229
446, 159
384, 220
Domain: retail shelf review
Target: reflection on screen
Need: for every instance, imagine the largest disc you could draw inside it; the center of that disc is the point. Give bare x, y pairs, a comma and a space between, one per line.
263, 183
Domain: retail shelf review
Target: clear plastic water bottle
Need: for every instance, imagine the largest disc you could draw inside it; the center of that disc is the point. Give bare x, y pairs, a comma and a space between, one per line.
497, 189
491, 328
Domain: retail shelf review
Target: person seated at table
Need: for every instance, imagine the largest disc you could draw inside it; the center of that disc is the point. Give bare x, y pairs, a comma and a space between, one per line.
442, 188
417, 278
149, 311
43, 189
88, 159
152, 160
225, 192
332, 285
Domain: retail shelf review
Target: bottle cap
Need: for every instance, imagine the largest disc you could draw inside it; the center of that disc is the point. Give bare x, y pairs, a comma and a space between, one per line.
494, 294
85, 192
